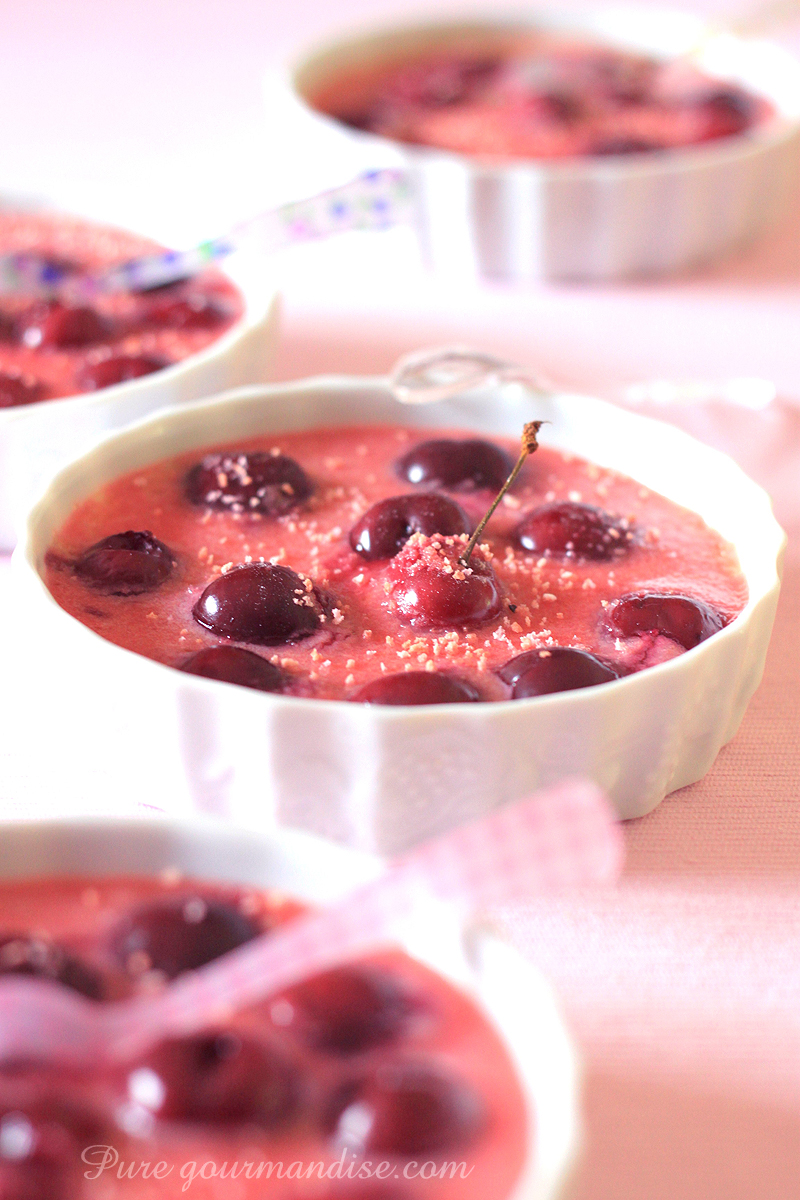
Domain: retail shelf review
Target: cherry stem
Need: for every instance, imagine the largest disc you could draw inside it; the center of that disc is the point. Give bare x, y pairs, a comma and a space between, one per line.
530, 443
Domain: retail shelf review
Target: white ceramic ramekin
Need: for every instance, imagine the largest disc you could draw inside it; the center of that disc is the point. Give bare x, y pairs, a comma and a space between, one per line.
382, 778
36, 438
592, 218
513, 996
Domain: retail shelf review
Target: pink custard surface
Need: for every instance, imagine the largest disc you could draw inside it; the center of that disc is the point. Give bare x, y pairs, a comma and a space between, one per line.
543, 599
358, 1084
48, 349
539, 97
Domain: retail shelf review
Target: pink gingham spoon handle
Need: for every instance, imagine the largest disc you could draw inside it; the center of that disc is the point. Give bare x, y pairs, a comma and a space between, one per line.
564, 837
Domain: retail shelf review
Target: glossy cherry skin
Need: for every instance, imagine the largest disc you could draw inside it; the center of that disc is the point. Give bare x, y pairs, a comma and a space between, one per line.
729, 110
417, 687
120, 368
433, 590
407, 1110
21, 954
566, 529
42, 1136
58, 326
265, 484
179, 934
261, 604
217, 1078
231, 664
386, 527
471, 465
681, 618
193, 311
20, 389
556, 669
345, 1010
126, 564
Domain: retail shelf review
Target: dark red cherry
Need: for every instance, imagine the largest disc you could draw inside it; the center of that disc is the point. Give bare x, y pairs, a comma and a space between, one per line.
126, 564
8, 327
20, 389
345, 1010
42, 1137
440, 83
386, 527
255, 483
193, 311
566, 529
370, 1191
432, 589
609, 146
417, 687
179, 934
162, 289
406, 1109
556, 669
120, 368
681, 618
729, 110
230, 664
218, 1078
21, 954
260, 603
57, 326
456, 465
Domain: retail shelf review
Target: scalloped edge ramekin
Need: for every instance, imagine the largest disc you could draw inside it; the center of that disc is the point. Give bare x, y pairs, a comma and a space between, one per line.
382, 778
510, 991
593, 218
36, 438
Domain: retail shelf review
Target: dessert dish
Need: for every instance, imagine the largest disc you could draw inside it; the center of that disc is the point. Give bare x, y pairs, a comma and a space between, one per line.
51, 347
382, 1038
383, 776
332, 564
594, 145
72, 369
542, 97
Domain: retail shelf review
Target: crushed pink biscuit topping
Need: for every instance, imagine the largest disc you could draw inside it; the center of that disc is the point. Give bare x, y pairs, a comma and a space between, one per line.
421, 610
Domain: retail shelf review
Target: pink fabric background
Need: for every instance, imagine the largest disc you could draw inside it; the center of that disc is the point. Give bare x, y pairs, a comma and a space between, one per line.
683, 987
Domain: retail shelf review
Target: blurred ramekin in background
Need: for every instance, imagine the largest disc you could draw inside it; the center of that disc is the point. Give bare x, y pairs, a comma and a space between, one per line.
601, 218
36, 438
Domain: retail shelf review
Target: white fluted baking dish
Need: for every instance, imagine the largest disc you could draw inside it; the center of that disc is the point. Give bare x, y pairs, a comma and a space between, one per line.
512, 995
382, 778
36, 438
589, 218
